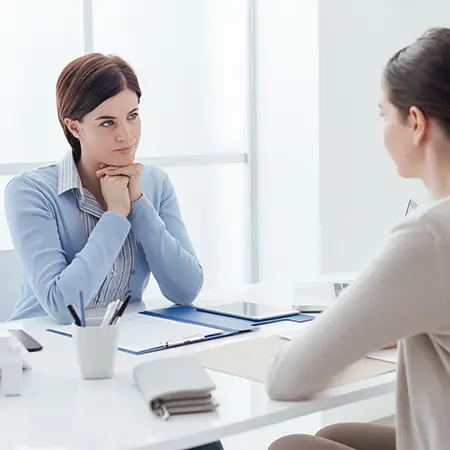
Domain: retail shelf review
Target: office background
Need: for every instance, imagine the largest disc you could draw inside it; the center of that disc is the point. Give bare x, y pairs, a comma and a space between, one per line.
263, 112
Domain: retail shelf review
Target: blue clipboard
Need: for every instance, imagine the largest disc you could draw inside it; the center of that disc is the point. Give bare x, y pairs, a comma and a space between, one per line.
190, 314
220, 333
225, 325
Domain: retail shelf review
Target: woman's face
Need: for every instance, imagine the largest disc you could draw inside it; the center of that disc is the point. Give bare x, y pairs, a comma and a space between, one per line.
403, 137
110, 134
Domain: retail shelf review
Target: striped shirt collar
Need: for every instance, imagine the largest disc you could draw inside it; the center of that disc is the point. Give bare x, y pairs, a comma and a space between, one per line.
68, 176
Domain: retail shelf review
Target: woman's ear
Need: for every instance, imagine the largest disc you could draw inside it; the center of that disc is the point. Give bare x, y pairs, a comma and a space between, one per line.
419, 124
73, 127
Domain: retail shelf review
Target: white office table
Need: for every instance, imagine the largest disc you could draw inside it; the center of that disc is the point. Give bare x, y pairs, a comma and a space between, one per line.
58, 410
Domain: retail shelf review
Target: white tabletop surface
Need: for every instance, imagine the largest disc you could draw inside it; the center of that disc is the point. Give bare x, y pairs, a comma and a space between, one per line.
58, 410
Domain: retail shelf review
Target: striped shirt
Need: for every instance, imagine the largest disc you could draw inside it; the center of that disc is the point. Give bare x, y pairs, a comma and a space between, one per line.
116, 283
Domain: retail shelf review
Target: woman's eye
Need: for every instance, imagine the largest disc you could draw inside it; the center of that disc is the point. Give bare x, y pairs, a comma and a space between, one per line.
107, 124
133, 116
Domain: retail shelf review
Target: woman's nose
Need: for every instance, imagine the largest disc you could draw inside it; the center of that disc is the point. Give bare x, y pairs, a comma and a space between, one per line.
123, 134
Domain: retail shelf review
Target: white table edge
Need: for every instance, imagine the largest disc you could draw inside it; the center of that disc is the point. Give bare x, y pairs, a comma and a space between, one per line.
324, 401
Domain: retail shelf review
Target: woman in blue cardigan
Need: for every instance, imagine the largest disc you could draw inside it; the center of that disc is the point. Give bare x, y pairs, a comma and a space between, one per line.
98, 221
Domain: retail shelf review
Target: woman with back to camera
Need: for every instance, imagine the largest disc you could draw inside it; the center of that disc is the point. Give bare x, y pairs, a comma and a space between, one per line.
98, 221
404, 292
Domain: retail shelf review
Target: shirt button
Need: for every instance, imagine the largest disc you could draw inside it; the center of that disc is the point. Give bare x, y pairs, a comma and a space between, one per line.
113, 273
133, 272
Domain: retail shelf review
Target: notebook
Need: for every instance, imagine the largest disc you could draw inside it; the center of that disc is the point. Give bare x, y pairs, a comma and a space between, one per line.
175, 386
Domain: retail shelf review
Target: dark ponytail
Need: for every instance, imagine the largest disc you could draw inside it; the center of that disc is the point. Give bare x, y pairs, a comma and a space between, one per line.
419, 75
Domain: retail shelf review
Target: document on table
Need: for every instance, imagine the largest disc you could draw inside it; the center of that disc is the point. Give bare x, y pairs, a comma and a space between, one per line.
234, 359
140, 333
389, 355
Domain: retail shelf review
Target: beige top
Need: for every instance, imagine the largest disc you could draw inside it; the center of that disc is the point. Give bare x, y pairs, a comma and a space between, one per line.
403, 293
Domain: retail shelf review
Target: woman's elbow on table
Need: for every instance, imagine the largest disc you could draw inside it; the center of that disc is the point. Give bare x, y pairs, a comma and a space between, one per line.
285, 383
55, 306
187, 298
284, 391
58, 314
194, 289
186, 294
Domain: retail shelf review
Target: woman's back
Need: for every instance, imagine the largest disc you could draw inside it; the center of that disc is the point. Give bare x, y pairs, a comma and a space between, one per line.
423, 367
403, 293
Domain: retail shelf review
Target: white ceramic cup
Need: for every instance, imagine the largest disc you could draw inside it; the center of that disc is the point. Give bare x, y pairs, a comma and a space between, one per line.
96, 348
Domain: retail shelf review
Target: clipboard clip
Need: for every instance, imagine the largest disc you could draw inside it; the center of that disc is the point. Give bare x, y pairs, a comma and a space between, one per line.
188, 340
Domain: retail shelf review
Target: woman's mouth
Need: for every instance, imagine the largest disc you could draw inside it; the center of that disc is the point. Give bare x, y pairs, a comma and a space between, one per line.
125, 150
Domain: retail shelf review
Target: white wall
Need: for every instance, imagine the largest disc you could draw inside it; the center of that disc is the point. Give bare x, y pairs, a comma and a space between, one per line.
361, 196
287, 138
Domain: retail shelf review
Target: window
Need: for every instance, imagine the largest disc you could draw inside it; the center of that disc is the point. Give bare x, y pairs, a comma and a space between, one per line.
192, 62
37, 39
217, 225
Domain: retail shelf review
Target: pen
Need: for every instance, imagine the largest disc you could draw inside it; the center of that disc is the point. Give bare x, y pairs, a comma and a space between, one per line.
116, 310
109, 314
120, 310
83, 315
74, 314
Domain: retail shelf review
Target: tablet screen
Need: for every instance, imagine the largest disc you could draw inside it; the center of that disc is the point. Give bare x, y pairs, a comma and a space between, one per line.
248, 309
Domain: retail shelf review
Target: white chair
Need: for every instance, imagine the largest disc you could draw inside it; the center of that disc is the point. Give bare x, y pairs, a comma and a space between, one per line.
10, 282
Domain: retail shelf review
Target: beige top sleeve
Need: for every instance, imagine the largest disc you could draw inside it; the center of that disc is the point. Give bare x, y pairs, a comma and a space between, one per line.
402, 292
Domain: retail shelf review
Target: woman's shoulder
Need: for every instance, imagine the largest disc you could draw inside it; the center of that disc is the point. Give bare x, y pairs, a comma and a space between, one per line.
42, 180
431, 220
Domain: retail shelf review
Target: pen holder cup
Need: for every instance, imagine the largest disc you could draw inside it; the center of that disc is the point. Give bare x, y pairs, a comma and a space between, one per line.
96, 348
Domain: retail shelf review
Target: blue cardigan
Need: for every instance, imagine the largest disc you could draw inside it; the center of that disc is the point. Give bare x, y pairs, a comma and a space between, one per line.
58, 259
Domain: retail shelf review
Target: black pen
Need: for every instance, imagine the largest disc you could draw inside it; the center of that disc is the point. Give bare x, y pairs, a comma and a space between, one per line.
120, 310
74, 314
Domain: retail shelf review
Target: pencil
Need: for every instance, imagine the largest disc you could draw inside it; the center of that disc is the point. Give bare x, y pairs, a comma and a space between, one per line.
83, 314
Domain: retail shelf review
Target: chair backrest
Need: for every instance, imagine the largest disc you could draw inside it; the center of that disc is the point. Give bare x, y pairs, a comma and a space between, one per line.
10, 282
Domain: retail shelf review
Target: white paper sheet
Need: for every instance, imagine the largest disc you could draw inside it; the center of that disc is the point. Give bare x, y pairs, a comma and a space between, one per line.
389, 355
139, 332
291, 334
385, 355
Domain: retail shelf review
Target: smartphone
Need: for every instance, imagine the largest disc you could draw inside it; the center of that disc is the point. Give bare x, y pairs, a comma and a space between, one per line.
28, 342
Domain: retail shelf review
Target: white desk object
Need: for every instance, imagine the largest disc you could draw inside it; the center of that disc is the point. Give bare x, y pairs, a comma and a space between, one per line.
11, 365
316, 295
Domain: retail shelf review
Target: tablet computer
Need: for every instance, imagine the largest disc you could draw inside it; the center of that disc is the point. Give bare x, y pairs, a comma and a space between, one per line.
248, 310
